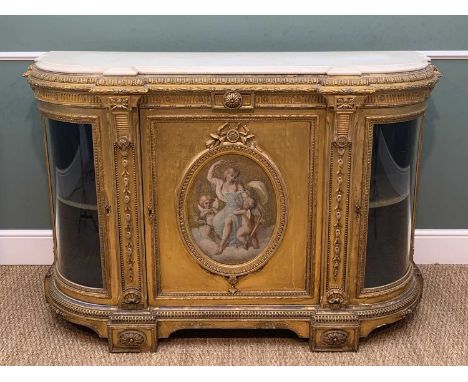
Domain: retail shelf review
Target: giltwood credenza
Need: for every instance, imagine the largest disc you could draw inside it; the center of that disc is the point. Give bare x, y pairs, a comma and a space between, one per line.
233, 190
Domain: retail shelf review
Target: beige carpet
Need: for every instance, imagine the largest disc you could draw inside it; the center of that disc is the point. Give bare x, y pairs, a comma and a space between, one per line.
436, 334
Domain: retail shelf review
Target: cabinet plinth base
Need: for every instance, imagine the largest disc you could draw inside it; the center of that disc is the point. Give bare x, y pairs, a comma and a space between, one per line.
327, 330
130, 338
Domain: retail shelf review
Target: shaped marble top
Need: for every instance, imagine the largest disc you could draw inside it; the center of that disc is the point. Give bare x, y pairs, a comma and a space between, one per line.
148, 63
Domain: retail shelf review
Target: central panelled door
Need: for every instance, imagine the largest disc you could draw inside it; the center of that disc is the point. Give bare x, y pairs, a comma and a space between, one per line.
231, 206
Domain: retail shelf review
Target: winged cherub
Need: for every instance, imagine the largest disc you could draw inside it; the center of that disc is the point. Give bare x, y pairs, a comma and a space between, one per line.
208, 208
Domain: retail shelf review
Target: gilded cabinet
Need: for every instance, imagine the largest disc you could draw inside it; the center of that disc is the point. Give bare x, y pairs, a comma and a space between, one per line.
224, 190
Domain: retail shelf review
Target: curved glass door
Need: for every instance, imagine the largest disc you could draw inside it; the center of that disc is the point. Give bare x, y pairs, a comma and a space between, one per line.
391, 198
73, 184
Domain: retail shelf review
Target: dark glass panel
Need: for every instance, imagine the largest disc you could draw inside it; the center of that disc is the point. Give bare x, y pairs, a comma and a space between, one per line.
74, 187
392, 183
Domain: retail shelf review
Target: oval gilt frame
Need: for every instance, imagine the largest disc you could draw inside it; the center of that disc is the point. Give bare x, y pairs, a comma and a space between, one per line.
277, 182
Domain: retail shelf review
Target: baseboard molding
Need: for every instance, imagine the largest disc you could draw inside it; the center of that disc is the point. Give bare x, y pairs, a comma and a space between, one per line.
441, 246
431, 246
432, 54
26, 247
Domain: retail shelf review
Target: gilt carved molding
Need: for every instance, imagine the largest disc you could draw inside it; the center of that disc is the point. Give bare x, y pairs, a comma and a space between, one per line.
342, 113
123, 120
141, 84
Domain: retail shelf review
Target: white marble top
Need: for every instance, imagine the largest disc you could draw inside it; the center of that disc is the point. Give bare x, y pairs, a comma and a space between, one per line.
134, 63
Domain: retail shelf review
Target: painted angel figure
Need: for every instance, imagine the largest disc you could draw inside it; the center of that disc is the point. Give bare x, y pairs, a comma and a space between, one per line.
208, 208
238, 221
246, 233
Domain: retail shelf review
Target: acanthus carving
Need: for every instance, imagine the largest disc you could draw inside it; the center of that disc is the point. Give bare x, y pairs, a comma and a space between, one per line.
132, 338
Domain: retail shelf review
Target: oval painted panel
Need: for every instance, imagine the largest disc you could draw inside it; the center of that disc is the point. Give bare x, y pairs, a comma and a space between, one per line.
232, 209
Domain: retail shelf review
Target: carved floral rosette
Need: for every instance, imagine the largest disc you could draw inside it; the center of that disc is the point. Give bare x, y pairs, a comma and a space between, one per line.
132, 338
334, 338
245, 152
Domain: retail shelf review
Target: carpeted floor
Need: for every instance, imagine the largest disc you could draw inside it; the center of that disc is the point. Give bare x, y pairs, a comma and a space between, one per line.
436, 334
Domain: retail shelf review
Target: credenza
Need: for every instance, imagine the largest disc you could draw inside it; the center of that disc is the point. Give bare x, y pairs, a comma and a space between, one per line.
233, 191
